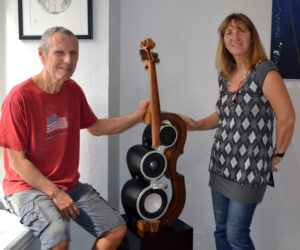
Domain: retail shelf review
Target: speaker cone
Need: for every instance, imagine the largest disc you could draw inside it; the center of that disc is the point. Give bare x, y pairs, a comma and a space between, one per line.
168, 135
144, 200
145, 162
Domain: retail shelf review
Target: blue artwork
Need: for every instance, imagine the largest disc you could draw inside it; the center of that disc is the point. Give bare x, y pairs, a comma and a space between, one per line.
285, 40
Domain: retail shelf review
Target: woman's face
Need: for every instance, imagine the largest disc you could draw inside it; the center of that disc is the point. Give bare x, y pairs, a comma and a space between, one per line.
237, 39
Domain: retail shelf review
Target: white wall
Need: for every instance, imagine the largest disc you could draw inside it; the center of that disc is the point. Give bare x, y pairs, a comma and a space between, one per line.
19, 61
186, 36
114, 100
2, 70
185, 33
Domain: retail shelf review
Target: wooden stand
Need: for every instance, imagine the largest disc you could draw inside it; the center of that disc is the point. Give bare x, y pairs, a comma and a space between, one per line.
144, 226
177, 236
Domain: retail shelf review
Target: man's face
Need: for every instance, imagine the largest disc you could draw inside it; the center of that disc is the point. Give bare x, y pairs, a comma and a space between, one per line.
61, 59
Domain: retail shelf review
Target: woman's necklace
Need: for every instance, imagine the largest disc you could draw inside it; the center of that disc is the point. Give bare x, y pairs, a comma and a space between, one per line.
229, 84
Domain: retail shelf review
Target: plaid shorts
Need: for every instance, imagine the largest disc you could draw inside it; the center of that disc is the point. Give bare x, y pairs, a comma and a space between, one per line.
38, 212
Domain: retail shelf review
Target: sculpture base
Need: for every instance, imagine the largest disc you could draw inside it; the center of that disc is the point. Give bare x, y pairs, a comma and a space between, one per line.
144, 226
177, 236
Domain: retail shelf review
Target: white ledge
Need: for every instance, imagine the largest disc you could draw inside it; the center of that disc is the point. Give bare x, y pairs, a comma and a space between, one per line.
13, 234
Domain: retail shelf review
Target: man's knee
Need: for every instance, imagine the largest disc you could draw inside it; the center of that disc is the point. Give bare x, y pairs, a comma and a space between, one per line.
62, 246
118, 232
111, 239
56, 235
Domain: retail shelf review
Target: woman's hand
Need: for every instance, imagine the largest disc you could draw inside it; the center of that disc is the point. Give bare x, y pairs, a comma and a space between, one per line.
275, 160
210, 122
190, 123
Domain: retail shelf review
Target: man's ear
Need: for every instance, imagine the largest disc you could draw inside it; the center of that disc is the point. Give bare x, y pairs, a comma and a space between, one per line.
41, 54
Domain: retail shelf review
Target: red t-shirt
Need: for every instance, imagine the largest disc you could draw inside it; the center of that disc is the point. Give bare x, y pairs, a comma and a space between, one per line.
46, 126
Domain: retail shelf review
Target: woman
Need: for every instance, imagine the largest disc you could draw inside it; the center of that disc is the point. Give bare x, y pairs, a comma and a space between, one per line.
243, 154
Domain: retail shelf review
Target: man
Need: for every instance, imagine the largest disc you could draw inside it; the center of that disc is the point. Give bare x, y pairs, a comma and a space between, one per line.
39, 131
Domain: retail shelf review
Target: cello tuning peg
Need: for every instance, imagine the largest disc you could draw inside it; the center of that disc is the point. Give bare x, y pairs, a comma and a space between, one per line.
155, 56
143, 54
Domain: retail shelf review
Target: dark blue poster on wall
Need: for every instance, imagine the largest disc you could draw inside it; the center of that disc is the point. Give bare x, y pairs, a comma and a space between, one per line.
285, 39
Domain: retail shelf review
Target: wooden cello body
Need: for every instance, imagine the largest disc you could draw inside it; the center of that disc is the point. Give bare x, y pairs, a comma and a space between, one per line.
144, 197
155, 117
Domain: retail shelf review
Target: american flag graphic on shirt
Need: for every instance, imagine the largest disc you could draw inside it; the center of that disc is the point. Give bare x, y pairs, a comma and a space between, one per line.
56, 123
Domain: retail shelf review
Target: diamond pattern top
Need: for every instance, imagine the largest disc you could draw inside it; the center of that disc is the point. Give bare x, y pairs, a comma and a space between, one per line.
243, 143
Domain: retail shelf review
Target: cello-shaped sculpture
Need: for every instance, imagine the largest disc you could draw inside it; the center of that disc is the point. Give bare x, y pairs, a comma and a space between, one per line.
143, 197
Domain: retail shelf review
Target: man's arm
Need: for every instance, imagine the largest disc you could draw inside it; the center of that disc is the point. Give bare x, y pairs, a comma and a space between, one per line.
31, 175
115, 125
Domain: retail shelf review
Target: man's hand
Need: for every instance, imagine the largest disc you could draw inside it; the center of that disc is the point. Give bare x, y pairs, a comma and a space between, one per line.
26, 169
65, 205
141, 109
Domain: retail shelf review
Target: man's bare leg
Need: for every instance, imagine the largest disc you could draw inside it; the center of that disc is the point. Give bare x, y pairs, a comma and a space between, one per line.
62, 246
111, 239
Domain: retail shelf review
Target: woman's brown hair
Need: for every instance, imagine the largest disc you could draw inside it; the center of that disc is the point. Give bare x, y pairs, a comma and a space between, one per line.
225, 62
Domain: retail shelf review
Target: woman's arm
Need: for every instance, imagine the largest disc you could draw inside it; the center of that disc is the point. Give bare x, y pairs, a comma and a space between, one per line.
277, 94
207, 123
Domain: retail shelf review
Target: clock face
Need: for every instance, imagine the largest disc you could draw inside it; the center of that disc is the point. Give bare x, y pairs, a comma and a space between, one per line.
54, 6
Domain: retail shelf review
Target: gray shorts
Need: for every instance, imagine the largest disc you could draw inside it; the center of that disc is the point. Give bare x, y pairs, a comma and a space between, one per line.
39, 213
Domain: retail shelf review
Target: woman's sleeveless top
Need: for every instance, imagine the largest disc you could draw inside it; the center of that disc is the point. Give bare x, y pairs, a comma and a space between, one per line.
243, 143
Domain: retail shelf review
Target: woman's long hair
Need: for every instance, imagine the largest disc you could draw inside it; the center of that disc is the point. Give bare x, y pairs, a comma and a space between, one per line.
225, 62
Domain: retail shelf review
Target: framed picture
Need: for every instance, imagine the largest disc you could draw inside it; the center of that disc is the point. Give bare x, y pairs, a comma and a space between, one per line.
35, 16
285, 38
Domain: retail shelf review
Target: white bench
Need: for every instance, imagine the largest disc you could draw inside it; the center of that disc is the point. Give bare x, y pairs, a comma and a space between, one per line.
14, 235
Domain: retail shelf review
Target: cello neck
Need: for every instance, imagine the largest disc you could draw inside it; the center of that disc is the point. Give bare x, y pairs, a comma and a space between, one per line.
154, 112
155, 106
